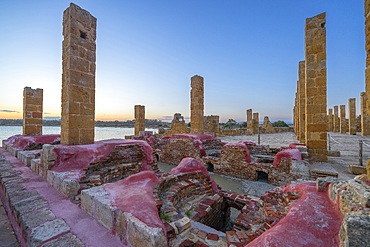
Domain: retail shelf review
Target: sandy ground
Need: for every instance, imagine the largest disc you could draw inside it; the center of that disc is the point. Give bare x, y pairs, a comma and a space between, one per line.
348, 145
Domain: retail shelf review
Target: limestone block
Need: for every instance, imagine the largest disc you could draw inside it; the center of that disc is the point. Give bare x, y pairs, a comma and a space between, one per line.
140, 234
355, 229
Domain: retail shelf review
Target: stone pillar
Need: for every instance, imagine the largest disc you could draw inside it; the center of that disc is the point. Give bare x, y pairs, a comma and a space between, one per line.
250, 121
197, 105
78, 79
336, 121
352, 122
301, 103
330, 120
367, 48
32, 111
139, 119
365, 119
315, 57
256, 122
343, 121
296, 113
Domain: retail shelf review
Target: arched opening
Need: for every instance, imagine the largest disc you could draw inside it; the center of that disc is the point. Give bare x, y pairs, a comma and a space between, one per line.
210, 167
156, 156
262, 176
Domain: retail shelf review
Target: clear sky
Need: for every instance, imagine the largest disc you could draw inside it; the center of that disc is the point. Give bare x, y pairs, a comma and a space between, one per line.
247, 51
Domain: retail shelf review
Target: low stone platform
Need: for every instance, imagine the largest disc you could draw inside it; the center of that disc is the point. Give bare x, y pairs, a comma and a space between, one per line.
40, 215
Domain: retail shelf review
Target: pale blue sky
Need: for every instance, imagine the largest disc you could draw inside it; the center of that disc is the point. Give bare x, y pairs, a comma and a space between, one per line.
247, 51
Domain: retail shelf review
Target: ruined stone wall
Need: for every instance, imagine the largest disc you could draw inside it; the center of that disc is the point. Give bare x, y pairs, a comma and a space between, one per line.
330, 120
336, 121
212, 124
365, 119
175, 149
267, 126
197, 105
32, 111
78, 79
352, 116
301, 103
139, 119
178, 125
315, 57
343, 122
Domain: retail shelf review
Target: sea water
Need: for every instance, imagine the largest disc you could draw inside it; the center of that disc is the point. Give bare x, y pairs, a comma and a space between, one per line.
101, 133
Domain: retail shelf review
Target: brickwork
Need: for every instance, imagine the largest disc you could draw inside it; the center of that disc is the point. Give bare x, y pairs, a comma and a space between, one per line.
330, 120
139, 119
78, 79
32, 111
250, 121
175, 149
301, 102
343, 121
365, 119
336, 120
212, 124
315, 57
178, 125
352, 122
197, 105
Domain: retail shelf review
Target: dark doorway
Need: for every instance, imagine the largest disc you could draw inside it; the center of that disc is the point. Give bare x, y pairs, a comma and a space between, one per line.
262, 176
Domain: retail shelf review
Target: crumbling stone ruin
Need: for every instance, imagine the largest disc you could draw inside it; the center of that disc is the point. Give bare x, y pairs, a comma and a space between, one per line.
212, 124
139, 119
267, 126
78, 79
197, 105
115, 182
178, 125
343, 121
330, 120
32, 111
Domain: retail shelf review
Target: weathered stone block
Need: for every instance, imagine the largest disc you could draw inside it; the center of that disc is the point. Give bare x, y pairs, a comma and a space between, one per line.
47, 231
355, 230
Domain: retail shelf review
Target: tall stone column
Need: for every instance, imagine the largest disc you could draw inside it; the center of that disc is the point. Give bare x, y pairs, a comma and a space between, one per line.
330, 120
256, 122
352, 121
250, 121
296, 113
343, 121
336, 121
78, 79
139, 119
197, 105
367, 48
301, 103
365, 119
32, 111
315, 57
